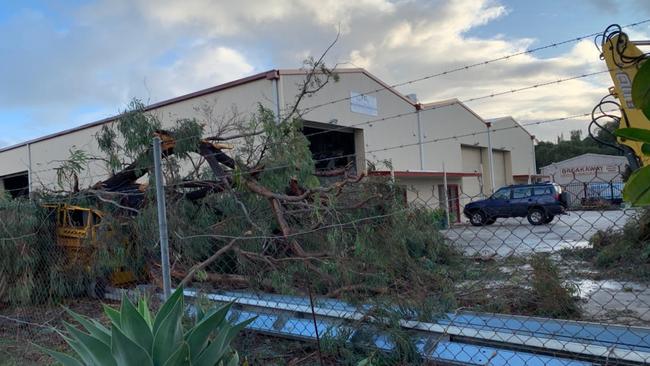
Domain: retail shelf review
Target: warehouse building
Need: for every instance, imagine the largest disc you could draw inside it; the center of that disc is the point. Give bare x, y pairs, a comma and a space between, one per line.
589, 177
427, 144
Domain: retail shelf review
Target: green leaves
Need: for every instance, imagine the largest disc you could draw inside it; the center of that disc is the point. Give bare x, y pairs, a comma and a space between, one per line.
62, 358
167, 308
641, 89
634, 134
91, 350
645, 148
135, 326
637, 187
139, 338
198, 337
169, 334
126, 352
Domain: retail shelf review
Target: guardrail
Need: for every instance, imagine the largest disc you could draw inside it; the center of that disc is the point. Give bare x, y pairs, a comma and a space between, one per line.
462, 338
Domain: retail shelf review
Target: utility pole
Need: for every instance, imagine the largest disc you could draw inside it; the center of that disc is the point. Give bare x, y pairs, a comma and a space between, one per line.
162, 219
444, 182
490, 156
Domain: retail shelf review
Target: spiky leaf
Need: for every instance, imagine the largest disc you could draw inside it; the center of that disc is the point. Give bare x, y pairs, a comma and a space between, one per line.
93, 327
169, 334
216, 350
62, 358
127, 352
134, 326
93, 351
168, 306
112, 314
143, 309
180, 358
199, 335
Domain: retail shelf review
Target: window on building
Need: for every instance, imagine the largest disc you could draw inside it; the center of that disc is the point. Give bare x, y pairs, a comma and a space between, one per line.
16, 185
331, 149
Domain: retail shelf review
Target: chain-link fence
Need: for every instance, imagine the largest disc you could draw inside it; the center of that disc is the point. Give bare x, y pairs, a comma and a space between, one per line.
381, 272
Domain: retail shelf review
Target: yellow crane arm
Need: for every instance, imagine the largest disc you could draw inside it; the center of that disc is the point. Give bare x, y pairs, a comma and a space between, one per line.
623, 58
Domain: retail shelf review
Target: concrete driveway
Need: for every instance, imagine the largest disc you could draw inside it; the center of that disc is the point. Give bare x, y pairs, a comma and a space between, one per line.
515, 236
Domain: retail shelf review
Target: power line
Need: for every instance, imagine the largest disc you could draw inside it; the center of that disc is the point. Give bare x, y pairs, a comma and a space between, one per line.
440, 139
477, 64
462, 68
368, 122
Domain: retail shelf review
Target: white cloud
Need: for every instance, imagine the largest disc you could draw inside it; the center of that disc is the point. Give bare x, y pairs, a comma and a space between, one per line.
202, 68
115, 50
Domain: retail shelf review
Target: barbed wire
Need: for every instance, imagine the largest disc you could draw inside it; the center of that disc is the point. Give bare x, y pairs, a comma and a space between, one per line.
399, 146
477, 64
431, 108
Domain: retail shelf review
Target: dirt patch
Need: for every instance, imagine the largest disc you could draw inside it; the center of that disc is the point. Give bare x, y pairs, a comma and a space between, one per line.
23, 326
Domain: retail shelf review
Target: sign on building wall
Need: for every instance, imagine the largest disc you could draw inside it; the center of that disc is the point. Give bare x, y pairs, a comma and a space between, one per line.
363, 103
589, 170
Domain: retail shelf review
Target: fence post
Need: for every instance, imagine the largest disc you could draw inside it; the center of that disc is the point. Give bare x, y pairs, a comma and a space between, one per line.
444, 177
162, 218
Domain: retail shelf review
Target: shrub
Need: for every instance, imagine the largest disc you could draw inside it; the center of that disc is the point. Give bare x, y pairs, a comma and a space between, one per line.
550, 296
32, 268
624, 252
139, 338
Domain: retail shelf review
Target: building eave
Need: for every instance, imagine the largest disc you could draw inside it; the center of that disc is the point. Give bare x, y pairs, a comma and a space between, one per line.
449, 102
510, 118
269, 75
356, 71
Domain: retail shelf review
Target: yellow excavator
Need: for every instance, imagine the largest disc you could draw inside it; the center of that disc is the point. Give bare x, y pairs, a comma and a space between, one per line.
79, 229
623, 58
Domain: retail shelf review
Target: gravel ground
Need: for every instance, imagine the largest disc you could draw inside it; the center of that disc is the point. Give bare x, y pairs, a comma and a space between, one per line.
515, 236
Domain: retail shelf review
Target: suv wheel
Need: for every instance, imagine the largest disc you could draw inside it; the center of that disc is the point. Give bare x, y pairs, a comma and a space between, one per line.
536, 216
478, 218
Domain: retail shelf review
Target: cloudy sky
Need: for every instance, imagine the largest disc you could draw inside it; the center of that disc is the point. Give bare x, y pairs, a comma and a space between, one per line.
67, 63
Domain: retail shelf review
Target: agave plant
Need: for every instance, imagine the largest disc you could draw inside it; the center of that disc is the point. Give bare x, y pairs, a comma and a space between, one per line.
139, 338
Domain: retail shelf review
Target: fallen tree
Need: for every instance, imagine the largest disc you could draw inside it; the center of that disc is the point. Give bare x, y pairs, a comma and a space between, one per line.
247, 208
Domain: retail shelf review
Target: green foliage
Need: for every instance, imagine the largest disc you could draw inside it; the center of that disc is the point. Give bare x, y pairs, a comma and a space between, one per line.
641, 89
139, 338
68, 171
625, 252
187, 133
547, 152
287, 153
634, 134
637, 188
129, 137
32, 268
18, 252
550, 296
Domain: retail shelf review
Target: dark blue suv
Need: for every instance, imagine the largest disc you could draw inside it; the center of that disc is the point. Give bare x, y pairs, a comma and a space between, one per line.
540, 203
